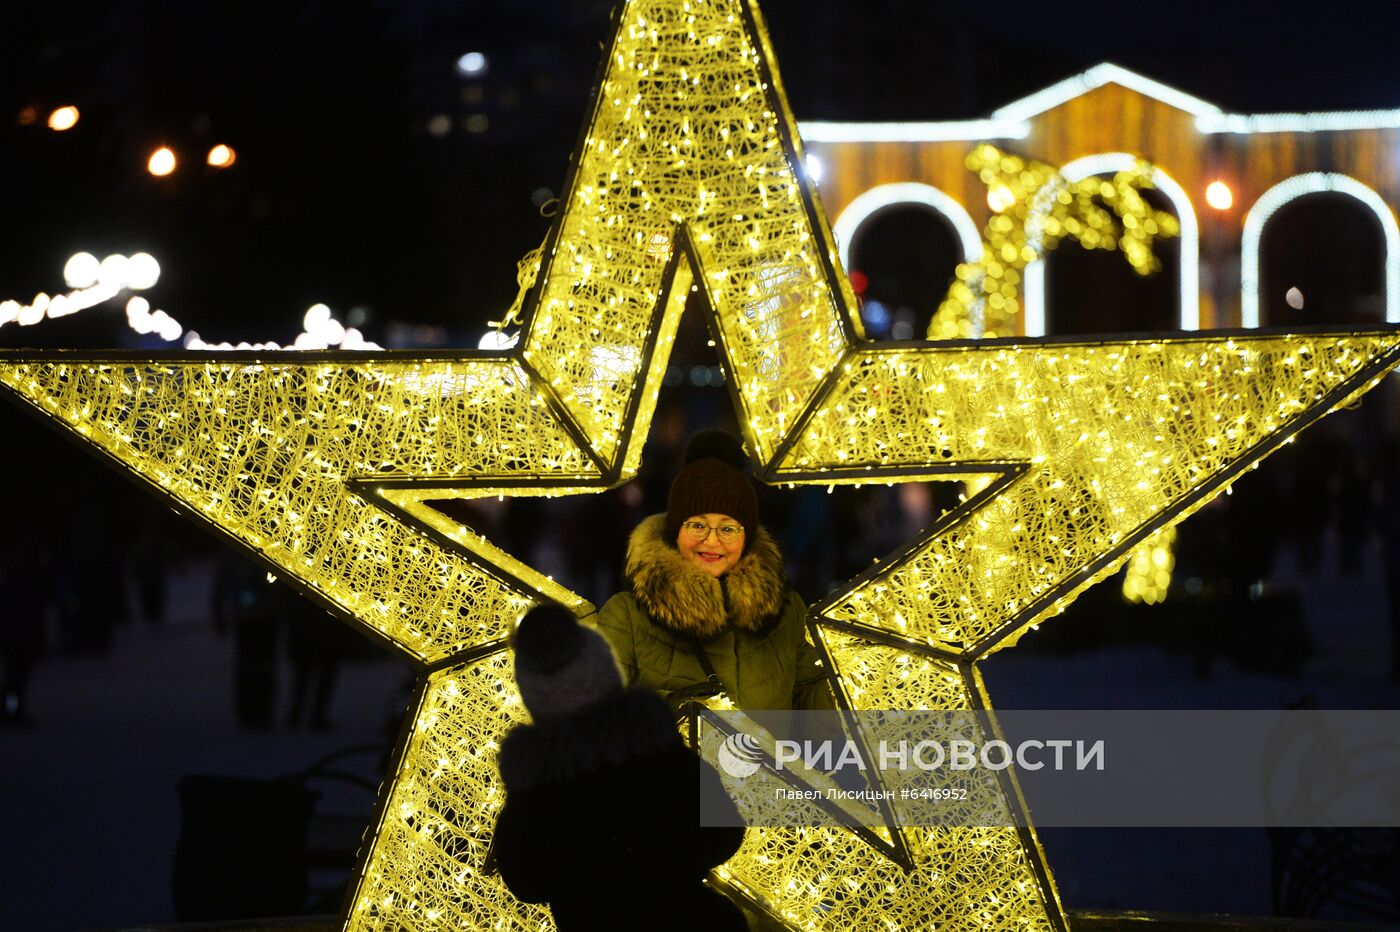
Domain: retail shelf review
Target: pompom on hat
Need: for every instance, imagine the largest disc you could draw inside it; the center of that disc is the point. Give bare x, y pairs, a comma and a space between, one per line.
560, 665
712, 481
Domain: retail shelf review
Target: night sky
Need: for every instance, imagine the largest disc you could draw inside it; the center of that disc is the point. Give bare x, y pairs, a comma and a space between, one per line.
342, 195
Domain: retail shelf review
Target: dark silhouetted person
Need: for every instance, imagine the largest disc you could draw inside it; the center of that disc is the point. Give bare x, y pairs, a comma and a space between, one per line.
248, 603
602, 809
313, 647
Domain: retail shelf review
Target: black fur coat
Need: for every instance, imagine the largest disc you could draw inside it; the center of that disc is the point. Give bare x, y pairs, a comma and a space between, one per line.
601, 821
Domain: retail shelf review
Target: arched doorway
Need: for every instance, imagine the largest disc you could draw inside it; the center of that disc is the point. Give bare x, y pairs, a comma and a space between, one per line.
902, 259
1096, 291
1179, 278
1330, 237
1330, 248
901, 244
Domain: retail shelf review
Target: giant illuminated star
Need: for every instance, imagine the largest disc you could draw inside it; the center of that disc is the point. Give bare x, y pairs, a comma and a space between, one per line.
689, 175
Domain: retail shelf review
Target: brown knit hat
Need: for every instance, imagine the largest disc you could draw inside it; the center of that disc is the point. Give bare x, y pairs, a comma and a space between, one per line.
712, 482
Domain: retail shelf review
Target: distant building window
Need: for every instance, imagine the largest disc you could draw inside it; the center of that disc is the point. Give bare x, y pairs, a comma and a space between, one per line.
1319, 248
903, 258
1328, 248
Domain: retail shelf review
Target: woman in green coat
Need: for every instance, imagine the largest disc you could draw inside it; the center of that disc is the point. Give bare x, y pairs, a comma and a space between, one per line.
708, 607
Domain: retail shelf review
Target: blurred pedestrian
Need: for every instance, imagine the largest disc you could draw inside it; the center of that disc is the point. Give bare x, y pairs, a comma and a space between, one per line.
247, 602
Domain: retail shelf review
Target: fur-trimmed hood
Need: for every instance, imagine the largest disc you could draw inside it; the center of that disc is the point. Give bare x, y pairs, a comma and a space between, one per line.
687, 601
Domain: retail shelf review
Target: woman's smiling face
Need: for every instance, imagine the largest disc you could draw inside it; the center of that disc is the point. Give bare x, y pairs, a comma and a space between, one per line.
712, 554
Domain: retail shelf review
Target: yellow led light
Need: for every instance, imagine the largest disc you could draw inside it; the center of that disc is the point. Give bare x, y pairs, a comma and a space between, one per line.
1000, 197
690, 175
1149, 572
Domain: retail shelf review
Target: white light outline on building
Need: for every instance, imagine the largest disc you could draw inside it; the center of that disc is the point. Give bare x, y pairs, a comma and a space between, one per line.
1096, 77
951, 131
1321, 122
881, 196
1012, 120
1189, 301
1295, 187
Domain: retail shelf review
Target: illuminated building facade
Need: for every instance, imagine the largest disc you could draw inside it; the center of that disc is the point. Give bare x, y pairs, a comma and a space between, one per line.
1227, 177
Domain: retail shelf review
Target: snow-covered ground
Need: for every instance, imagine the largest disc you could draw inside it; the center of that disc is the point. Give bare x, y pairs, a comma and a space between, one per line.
89, 814
1202, 870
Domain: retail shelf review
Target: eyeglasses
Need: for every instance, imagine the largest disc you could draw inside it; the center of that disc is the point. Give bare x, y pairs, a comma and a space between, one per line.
699, 530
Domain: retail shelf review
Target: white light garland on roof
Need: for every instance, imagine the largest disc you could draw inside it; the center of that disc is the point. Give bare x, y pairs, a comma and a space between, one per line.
1095, 77
952, 131
1325, 122
1012, 120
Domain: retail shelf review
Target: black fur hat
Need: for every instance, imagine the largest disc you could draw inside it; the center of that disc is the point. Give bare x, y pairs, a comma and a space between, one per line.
713, 481
560, 665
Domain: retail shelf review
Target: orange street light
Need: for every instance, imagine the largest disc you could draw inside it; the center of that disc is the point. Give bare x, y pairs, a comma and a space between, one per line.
161, 162
63, 118
222, 156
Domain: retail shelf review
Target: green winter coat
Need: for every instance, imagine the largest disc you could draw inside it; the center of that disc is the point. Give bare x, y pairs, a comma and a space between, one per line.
749, 624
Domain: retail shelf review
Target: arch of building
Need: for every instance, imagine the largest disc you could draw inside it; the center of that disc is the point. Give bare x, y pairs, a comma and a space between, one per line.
1189, 315
862, 207
1298, 186
869, 202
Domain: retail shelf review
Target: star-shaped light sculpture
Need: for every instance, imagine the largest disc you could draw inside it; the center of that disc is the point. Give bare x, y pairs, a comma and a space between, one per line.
689, 175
